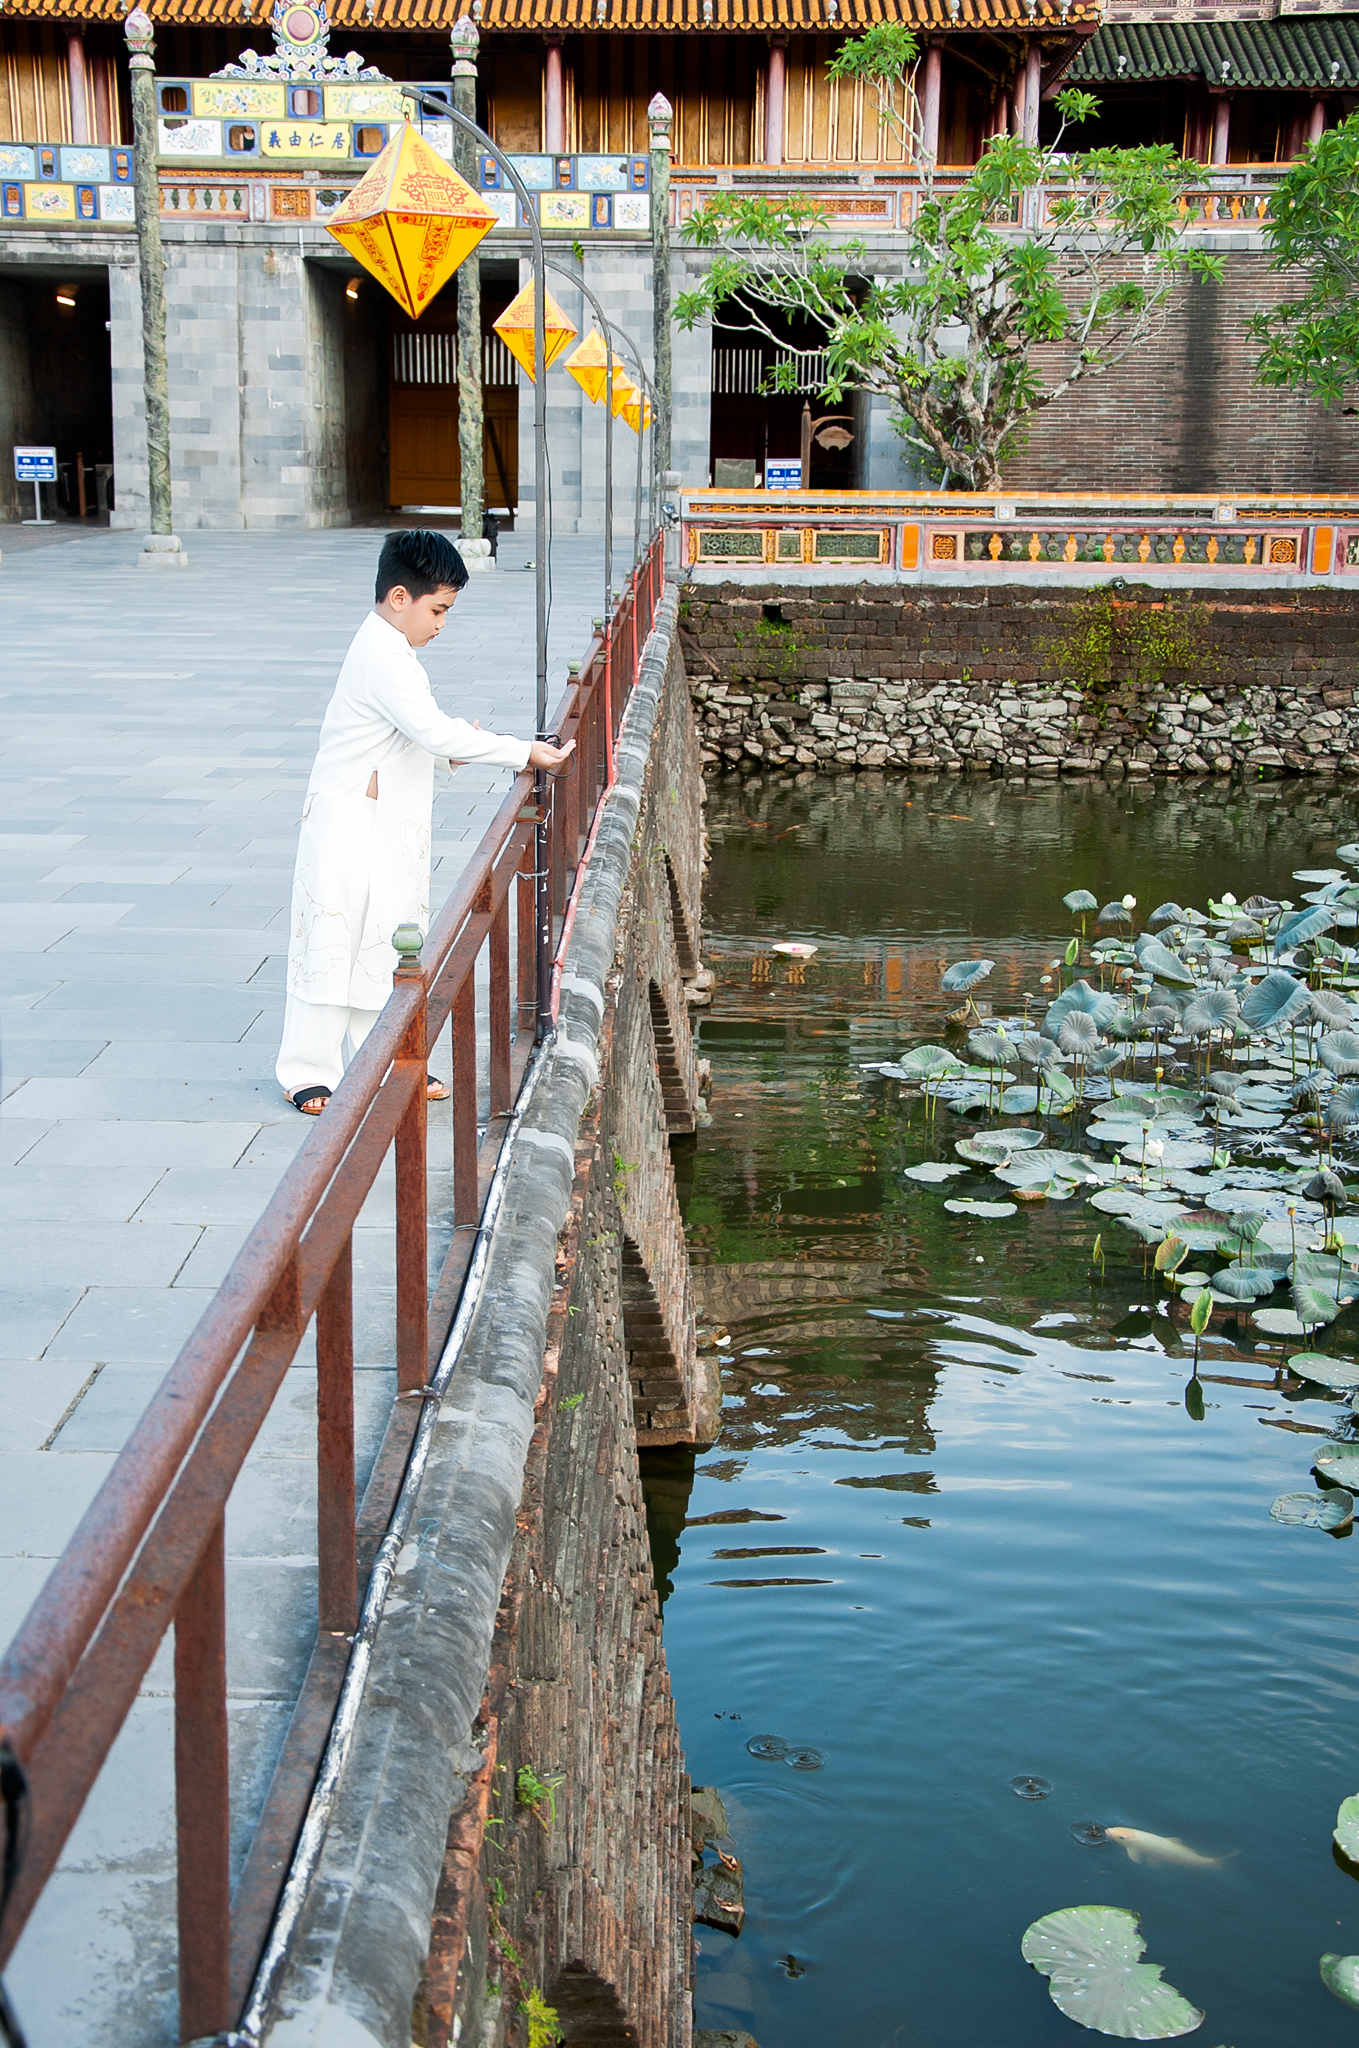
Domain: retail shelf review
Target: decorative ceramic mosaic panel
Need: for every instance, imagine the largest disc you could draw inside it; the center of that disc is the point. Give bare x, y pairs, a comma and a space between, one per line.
237, 97
190, 138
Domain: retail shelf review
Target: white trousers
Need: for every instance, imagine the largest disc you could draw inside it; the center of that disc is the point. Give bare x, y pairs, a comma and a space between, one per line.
312, 1054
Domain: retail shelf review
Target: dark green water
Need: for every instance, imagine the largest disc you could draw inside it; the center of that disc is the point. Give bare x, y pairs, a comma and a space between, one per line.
1003, 1546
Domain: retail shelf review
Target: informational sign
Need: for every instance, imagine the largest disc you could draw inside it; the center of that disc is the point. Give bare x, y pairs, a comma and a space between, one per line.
783, 476
35, 465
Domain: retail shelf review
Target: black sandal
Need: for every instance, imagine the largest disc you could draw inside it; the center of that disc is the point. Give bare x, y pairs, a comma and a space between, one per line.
306, 1096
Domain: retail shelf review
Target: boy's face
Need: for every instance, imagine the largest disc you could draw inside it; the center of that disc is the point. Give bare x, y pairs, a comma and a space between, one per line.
419, 618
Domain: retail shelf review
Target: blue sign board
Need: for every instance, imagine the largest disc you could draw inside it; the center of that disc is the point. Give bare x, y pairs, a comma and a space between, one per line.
783, 476
35, 465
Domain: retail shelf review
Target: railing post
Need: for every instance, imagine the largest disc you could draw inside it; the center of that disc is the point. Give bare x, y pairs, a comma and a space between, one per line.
336, 1539
203, 1798
412, 1185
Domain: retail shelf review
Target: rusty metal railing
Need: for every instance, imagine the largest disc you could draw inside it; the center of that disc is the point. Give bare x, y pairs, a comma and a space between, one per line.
150, 1551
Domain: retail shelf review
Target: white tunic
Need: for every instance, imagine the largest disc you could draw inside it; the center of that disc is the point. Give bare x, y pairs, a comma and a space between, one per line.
363, 863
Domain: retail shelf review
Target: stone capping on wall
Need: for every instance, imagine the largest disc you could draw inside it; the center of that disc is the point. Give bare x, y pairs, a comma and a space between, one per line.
364, 1933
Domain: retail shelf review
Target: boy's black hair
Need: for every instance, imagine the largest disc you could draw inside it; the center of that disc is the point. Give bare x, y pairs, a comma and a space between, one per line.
421, 560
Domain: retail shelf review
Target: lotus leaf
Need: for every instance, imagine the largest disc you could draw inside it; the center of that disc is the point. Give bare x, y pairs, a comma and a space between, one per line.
1171, 1253
1323, 1371
1165, 913
1332, 1510
1059, 1087
1080, 996
1345, 1230
1201, 1313
1318, 874
1019, 1101
1339, 1466
1329, 1008
1243, 931
1244, 1223
1280, 1322
933, 1171
964, 1207
1243, 1283
1079, 900
1212, 1011
1275, 1000
1165, 966
988, 1148
1175, 1153
1302, 926
990, 1048
965, 975
1114, 913
1090, 1956
1346, 1830
1252, 1119
1315, 1305
1339, 1052
1078, 1033
1343, 1109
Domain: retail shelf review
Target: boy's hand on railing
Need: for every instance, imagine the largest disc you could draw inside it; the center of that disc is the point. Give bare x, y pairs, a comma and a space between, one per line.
542, 754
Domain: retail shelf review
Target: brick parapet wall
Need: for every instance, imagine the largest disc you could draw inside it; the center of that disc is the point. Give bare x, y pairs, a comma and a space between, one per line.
1184, 413
969, 678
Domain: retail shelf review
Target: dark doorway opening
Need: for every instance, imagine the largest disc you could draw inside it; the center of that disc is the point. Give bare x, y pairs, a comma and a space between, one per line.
424, 469
752, 425
56, 387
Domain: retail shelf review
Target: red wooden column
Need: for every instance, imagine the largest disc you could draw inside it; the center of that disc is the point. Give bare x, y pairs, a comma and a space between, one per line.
774, 99
929, 103
554, 100
75, 73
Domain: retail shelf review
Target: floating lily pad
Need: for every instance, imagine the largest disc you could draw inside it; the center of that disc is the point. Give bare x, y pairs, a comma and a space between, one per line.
1346, 1829
1340, 1974
1323, 1371
1279, 1322
1090, 1956
1020, 1101
988, 1148
1339, 1466
964, 1207
1333, 1510
933, 1171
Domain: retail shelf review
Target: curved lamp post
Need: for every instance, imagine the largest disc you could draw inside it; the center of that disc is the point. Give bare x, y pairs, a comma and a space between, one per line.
626, 345
445, 111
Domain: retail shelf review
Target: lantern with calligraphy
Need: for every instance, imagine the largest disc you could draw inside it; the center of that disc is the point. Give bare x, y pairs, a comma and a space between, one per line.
411, 220
515, 328
624, 394
589, 365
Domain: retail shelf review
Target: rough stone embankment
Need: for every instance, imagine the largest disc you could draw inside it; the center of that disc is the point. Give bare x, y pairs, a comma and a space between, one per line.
1024, 729
1016, 680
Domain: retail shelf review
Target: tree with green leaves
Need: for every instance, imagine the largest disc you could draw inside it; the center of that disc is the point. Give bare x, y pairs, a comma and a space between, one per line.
1037, 248
1311, 343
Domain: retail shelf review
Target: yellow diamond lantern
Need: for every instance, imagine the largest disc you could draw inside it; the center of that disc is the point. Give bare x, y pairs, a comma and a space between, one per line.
589, 365
411, 220
515, 328
625, 393
637, 413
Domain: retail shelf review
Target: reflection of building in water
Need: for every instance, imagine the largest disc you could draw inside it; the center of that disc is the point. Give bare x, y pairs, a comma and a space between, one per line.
870, 1382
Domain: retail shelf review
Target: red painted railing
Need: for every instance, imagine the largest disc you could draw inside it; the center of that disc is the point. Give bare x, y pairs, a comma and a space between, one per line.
150, 1550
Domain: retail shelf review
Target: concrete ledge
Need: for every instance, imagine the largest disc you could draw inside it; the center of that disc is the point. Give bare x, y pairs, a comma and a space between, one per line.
364, 1934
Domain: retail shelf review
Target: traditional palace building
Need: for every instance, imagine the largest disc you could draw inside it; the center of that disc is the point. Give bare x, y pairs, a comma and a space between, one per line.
301, 396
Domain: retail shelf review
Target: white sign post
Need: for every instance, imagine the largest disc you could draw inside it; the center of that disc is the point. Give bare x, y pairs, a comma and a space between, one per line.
36, 466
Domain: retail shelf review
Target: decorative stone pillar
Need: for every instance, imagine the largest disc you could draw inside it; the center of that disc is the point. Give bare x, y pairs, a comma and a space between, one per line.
929, 104
660, 114
1222, 126
774, 99
75, 73
162, 549
464, 41
554, 101
1316, 120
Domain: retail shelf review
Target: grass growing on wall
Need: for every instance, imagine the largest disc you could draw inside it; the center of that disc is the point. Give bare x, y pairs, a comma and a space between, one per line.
1114, 645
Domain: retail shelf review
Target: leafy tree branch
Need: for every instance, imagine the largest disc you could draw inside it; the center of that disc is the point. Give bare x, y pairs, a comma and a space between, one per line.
1311, 343
1076, 254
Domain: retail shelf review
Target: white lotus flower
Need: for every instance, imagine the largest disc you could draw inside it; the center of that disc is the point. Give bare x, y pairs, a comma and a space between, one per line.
1130, 903
1229, 900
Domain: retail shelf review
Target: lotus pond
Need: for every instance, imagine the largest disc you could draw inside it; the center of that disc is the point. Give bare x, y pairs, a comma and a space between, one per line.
1024, 1655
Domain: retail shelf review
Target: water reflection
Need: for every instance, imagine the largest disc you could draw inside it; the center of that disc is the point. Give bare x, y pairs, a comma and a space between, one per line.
965, 1524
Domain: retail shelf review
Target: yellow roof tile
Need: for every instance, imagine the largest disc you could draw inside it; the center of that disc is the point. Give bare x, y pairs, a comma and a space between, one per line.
655, 17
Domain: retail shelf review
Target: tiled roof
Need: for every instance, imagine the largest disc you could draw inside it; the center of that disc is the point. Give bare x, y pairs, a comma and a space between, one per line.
1318, 55
656, 17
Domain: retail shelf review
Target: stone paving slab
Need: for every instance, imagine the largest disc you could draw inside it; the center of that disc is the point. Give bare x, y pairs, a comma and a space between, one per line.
157, 734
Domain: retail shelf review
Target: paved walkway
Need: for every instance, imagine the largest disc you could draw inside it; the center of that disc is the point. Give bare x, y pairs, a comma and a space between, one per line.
158, 730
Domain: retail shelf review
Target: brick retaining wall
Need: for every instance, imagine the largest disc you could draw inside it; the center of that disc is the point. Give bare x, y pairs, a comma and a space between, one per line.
967, 678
